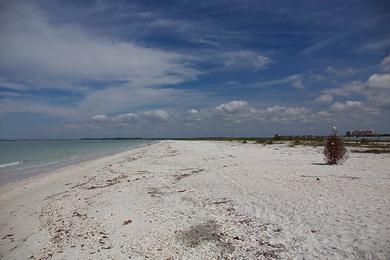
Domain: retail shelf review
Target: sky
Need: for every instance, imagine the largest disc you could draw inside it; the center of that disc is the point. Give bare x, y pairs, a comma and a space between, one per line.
72, 69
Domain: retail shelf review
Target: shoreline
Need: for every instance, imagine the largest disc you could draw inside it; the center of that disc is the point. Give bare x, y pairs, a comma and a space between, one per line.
201, 199
65, 164
39, 178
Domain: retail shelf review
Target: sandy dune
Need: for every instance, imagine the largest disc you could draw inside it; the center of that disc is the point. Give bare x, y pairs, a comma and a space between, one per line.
198, 200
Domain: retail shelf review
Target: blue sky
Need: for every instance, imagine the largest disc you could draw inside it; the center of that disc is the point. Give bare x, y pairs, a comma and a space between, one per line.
73, 69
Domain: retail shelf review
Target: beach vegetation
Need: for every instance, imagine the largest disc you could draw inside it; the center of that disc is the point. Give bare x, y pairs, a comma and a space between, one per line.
334, 150
374, 151
297, 142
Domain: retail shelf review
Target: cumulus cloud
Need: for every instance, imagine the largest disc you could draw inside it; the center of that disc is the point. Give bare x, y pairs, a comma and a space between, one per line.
156, 115
40, 51
235, 106
235, 111
100, 118
376, 90
236, 114
127, 118
323, 114
239, 111
324, 99
194, 112
281, 113
375, 82
352, 107
347, 106
385, 64
346, 89
192, 116
381, 81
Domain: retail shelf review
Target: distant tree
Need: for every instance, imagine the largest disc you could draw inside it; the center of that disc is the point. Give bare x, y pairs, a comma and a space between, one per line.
334, 150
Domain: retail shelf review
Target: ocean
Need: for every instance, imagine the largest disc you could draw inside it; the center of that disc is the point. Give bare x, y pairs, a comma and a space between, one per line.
24, 158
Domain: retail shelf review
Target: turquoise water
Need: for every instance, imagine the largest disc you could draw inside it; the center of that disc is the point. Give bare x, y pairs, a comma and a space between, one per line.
25, 158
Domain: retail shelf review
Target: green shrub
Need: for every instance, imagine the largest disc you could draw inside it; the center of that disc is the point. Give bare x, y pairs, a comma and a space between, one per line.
297, 142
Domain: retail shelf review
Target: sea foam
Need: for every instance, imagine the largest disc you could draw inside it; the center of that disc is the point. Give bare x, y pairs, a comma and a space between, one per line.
10, 164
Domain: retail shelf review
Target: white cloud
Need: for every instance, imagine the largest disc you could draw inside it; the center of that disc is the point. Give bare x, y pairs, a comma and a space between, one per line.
380, 81
124, 98
332, 74
323, 114
128, 118
239, 111
348, 105
237, 114
111, 100
318, 46
235, 106
324, 99
100, 118
352, 107
296, 81
340, 72
245, 60
193, 116
385, 64
156, 115
281, 113
151, 116
376, 90
208, 42
193, 112
375, 46
346, 89
34, 49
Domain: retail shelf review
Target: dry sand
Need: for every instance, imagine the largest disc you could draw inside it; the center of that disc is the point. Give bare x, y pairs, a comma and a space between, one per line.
199, 200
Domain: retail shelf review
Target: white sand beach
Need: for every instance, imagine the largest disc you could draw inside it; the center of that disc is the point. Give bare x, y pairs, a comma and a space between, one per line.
202, 200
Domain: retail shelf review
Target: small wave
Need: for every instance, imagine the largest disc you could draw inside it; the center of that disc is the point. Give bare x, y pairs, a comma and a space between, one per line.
41, 165
10, 164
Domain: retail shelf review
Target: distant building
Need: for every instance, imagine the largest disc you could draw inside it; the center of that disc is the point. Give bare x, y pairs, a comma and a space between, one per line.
367, 132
